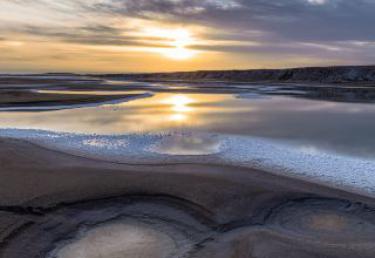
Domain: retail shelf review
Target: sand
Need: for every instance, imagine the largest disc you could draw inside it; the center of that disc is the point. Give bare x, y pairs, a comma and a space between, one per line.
56, 204
23, 100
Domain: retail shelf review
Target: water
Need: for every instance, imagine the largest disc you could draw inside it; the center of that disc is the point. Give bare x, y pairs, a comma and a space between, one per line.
314, 123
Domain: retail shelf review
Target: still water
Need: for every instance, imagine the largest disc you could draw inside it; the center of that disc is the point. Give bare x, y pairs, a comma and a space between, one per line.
348, 128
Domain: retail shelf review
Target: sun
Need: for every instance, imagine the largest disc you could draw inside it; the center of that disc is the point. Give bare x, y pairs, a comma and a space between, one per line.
179, 53
178, 42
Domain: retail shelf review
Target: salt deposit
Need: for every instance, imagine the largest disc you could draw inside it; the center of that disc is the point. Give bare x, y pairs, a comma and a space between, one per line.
328, 168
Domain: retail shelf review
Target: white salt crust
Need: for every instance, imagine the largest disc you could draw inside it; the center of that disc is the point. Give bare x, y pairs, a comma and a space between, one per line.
348, 173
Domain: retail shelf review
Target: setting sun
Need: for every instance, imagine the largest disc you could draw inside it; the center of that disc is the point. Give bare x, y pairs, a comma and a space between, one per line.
179, 53
178, 41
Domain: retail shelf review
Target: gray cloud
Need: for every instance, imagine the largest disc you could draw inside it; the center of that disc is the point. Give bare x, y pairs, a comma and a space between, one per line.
287, 19
282, 19
93, 35
337, 29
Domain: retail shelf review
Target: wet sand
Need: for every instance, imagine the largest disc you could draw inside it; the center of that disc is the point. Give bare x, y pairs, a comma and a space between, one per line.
20, 99
55, 204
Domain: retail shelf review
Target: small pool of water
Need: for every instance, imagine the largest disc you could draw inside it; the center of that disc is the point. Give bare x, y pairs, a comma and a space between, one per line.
120, 240
187, 144
312, 124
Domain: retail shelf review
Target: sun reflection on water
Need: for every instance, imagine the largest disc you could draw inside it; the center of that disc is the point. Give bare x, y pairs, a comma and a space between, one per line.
161, 112
180, 107
178, 117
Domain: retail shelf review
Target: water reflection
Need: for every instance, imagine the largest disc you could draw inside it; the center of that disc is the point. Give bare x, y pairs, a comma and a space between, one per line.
342, 127
164, 111
180, 107
188, 144
178, 117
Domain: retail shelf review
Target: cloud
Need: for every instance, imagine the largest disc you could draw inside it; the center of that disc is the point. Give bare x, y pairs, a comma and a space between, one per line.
283, 19
93, 35
290, 19
337, 29
318, 2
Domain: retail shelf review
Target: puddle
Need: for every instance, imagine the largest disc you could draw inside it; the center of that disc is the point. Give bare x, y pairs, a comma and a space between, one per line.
125, 240
188, 144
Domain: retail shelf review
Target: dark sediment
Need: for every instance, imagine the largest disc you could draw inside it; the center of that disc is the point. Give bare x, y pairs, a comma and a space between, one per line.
51, 201
19, 99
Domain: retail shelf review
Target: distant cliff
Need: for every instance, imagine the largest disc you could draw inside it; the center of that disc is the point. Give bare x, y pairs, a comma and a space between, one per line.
336, 74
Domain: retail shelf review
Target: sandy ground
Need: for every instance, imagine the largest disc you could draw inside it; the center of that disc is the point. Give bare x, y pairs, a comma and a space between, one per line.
54, 204
24, 99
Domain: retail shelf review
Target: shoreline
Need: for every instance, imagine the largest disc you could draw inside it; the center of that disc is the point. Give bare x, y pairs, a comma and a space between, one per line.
331, 169
34, 101
333, 74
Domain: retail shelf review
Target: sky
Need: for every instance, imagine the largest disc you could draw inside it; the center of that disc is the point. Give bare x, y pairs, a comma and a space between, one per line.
113, 36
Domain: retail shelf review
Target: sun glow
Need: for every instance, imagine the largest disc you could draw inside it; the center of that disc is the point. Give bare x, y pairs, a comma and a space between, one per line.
178, 41
179, 53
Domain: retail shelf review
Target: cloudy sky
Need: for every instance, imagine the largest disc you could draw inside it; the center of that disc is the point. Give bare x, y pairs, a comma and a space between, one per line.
169, 35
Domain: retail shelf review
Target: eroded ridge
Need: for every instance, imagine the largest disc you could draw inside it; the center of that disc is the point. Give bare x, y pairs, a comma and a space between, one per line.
166, 227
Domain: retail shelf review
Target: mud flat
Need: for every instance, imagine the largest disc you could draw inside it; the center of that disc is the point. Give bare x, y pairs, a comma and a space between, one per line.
23, 100
68, 196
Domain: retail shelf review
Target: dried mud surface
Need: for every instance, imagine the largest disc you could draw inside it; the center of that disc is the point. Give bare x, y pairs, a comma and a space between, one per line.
53, 204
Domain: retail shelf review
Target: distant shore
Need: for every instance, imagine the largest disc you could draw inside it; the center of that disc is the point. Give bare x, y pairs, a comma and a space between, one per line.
334, 74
